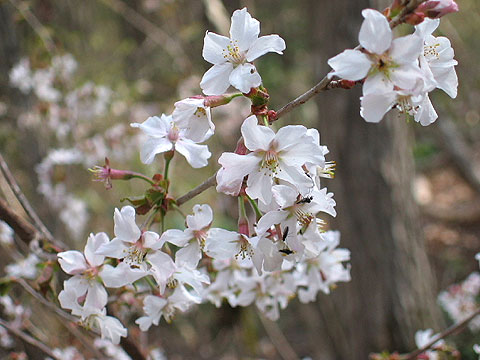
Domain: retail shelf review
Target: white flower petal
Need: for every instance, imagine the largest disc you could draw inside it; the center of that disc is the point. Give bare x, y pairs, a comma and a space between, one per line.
375, 34
202, 217
189, 256
350, 65
377, 84
427, 27
284, 195
375, 106
426, 114
222, 244
256, 137
154, 126
176, 237
244, 29
214, 47
265, 44
125, 227
269, 219
196, 155
406, 49
447, 80
121, 275
216, 80
259, 186
236, 167
114, 249
245, 77
111, 328
152, 147
72, 262
162, 268
151, 240
96, 299
93, 243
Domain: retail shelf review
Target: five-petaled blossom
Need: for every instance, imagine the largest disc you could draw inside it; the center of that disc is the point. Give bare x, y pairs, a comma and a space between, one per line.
232, 57
165, 135
273, 156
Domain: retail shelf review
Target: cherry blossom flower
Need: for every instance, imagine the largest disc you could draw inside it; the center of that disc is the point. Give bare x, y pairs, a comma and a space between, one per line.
155, 307
324, 270
273, 156
385, 62
164, 135
110, 327
423, 337
195, 117
136, 249
83, 284
232, 57
437, 58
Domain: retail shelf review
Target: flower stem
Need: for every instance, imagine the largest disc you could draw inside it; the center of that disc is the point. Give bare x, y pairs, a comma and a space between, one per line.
143, 177
265, 120
242, 213
167, 165
255, 207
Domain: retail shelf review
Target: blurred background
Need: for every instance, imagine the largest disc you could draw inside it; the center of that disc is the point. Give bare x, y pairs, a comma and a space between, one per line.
407, 196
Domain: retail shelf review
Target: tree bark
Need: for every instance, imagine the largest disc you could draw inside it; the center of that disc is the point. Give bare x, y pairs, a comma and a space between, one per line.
392, 293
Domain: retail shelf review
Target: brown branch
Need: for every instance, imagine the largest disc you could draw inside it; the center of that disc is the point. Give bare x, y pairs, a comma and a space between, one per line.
302, 99
408, 9
28, 339
324, 84
25, 203
449, 331
153, 32
198, 190
36, 25
25, 231
64, 315
278, 339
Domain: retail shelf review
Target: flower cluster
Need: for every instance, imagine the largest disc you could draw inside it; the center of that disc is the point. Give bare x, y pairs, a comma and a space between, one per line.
279, 251
398, 72
281, 248
460, 300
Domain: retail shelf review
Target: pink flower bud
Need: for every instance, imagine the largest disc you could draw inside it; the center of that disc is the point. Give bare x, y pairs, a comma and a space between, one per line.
435, 9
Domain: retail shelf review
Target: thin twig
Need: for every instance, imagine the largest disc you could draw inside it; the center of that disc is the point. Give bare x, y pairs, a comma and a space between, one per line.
153, 32
278, 339
198, 190
45, 302
25, 231
36, 25
64, 315
450, 330
408, 9
302, 99
25, 203
28, 339
325, 82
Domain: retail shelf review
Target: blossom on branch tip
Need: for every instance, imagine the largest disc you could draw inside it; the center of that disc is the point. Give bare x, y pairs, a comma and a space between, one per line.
232, 57
385, 62
435, 9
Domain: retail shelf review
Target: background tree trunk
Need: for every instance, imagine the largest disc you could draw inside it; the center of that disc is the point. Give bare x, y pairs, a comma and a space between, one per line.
392, 293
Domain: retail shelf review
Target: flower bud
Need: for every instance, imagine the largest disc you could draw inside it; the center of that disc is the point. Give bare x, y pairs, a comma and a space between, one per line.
435, 9
414, 18
106, 174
